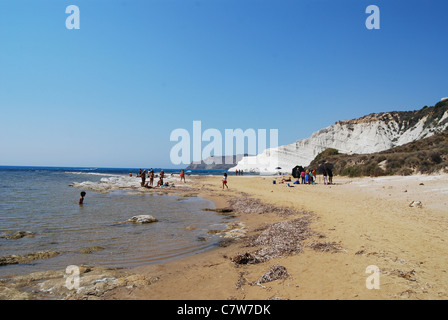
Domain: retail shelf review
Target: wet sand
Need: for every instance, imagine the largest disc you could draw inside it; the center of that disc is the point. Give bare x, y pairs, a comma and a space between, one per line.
354, 224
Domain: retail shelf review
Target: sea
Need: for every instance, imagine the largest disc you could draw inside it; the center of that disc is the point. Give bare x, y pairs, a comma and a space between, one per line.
44, 202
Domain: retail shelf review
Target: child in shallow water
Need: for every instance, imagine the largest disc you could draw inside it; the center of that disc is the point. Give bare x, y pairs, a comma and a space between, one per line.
81, 199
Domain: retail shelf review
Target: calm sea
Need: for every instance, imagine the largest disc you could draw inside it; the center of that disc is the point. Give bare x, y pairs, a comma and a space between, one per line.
40, 200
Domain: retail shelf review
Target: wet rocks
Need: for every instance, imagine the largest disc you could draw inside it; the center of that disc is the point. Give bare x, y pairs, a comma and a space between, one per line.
227, 212
89, 250
16, 259
142, 219
233, 230
219, 210
17, 235
94, 283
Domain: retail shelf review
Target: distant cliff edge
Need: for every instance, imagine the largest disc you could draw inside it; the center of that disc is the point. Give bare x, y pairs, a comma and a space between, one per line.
216, 163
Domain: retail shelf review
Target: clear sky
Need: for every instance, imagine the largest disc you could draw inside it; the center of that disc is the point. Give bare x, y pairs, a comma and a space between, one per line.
110, 93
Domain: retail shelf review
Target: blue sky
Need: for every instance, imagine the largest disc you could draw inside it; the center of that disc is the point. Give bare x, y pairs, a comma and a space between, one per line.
110, 93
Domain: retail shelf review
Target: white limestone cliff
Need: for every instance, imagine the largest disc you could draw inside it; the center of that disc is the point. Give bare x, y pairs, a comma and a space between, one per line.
369, 134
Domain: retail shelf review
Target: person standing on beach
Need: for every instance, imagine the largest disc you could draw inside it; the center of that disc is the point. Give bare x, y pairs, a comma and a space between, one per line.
224, 181
151, 177
182, 176
160, 182
330, 176
302, 174
81, 200
143, 176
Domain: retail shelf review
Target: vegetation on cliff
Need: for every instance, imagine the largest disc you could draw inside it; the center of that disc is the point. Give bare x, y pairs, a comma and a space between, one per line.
428, 155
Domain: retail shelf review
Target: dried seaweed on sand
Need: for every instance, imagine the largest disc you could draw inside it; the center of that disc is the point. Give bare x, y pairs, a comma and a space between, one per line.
241, 280
276, 272
332, 247
245, 258
279, 239
408, 275
249, 205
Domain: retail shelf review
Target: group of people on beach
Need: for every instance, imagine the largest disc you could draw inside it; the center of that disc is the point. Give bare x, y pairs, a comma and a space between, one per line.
150, 174
143, 174
310, 177
239, 172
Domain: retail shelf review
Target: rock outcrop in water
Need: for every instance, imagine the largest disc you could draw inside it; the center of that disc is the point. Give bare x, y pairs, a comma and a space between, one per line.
17, 235
372, 133
27, 258
142, 219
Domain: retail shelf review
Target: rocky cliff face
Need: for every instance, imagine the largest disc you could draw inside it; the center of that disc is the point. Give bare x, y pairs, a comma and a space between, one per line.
372, 133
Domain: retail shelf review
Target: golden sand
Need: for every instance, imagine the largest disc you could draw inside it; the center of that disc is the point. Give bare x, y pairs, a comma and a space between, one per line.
370, 220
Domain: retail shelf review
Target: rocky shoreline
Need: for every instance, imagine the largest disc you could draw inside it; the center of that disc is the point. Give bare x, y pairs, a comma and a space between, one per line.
94, 283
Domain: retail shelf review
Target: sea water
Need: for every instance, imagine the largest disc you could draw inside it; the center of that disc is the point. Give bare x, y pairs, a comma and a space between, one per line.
43, 201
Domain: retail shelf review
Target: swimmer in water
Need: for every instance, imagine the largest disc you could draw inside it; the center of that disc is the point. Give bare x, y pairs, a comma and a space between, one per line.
81, 199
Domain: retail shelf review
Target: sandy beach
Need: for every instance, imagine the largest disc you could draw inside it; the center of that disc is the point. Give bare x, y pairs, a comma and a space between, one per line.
347, 227
360, 222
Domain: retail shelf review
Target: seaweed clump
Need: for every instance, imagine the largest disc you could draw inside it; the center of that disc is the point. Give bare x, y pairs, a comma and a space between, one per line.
279, 239
247, 205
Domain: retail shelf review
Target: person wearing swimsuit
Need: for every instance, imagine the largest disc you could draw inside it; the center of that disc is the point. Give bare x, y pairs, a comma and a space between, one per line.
224, 181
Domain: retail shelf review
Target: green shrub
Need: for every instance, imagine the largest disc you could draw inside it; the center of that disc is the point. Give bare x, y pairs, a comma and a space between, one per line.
412, 161
405, 171
378, 172
435, 157
326, 153
351, 172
